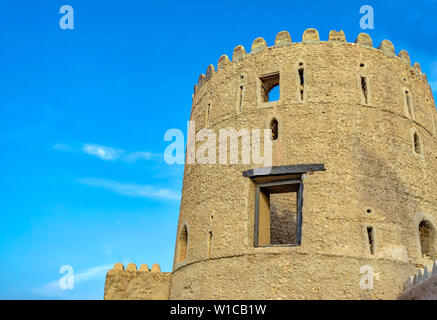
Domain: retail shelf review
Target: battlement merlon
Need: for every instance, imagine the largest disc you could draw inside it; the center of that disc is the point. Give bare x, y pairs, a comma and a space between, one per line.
310, 36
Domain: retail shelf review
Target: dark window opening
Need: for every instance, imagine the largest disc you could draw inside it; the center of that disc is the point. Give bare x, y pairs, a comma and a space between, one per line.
408, 102
362, 65
240, 103
417, 145
209, 244
427, 236
274, 126
268, 83
302, 80
364, 88
278, 213
181, 252
371, 238
208, 110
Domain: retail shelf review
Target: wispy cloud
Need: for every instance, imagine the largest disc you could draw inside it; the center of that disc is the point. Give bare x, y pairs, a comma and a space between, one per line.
108, 153
131, 190
135, 156
102, 152
53, 289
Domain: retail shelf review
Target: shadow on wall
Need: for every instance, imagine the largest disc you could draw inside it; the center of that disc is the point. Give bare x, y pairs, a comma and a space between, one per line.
381, 179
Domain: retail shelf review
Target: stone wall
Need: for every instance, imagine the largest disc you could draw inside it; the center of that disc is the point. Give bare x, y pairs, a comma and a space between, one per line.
133, 284
377, 141
427, 290
422, 286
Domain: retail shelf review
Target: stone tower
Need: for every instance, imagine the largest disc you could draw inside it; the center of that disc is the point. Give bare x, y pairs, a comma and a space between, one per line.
354, 183
348, 210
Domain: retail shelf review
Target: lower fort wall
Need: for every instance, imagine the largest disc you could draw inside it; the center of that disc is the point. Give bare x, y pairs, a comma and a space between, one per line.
288, 275
133, 284
427, 290
421, 286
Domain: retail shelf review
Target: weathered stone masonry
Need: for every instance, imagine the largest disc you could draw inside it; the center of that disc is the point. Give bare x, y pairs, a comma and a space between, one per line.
369, 118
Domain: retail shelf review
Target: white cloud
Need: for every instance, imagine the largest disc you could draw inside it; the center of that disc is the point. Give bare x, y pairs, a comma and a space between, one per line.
131, 190
91, 273
141, 155
53, 289
102, 152
108, 153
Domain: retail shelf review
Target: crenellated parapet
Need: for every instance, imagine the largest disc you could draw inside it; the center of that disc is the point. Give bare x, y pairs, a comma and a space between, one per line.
133, 267
131, 283
421, 286
421, 276
310, 36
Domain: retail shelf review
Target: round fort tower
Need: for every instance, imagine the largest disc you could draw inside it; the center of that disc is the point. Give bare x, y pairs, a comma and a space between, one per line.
355, 146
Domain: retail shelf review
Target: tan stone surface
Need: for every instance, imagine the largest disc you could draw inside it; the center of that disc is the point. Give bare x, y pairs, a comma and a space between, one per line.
131, 267
310, 35
282, 39
368, 152
155, 268
364, 40
137, 285
405, 57
387, 47
373, 178
144, 267
118, 266
337, 36
259, 44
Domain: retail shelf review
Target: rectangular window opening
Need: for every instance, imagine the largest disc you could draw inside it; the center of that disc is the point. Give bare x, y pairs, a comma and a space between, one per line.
408, 102
278, 213
270, 87
302, 82
208, 110
364, 88
417, 145
209, 244
371, 238
240, 105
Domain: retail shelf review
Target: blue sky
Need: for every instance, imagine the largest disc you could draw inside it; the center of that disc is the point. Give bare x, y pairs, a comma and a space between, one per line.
83, 114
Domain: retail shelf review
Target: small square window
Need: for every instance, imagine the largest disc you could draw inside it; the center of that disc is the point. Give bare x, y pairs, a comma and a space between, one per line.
270, 89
